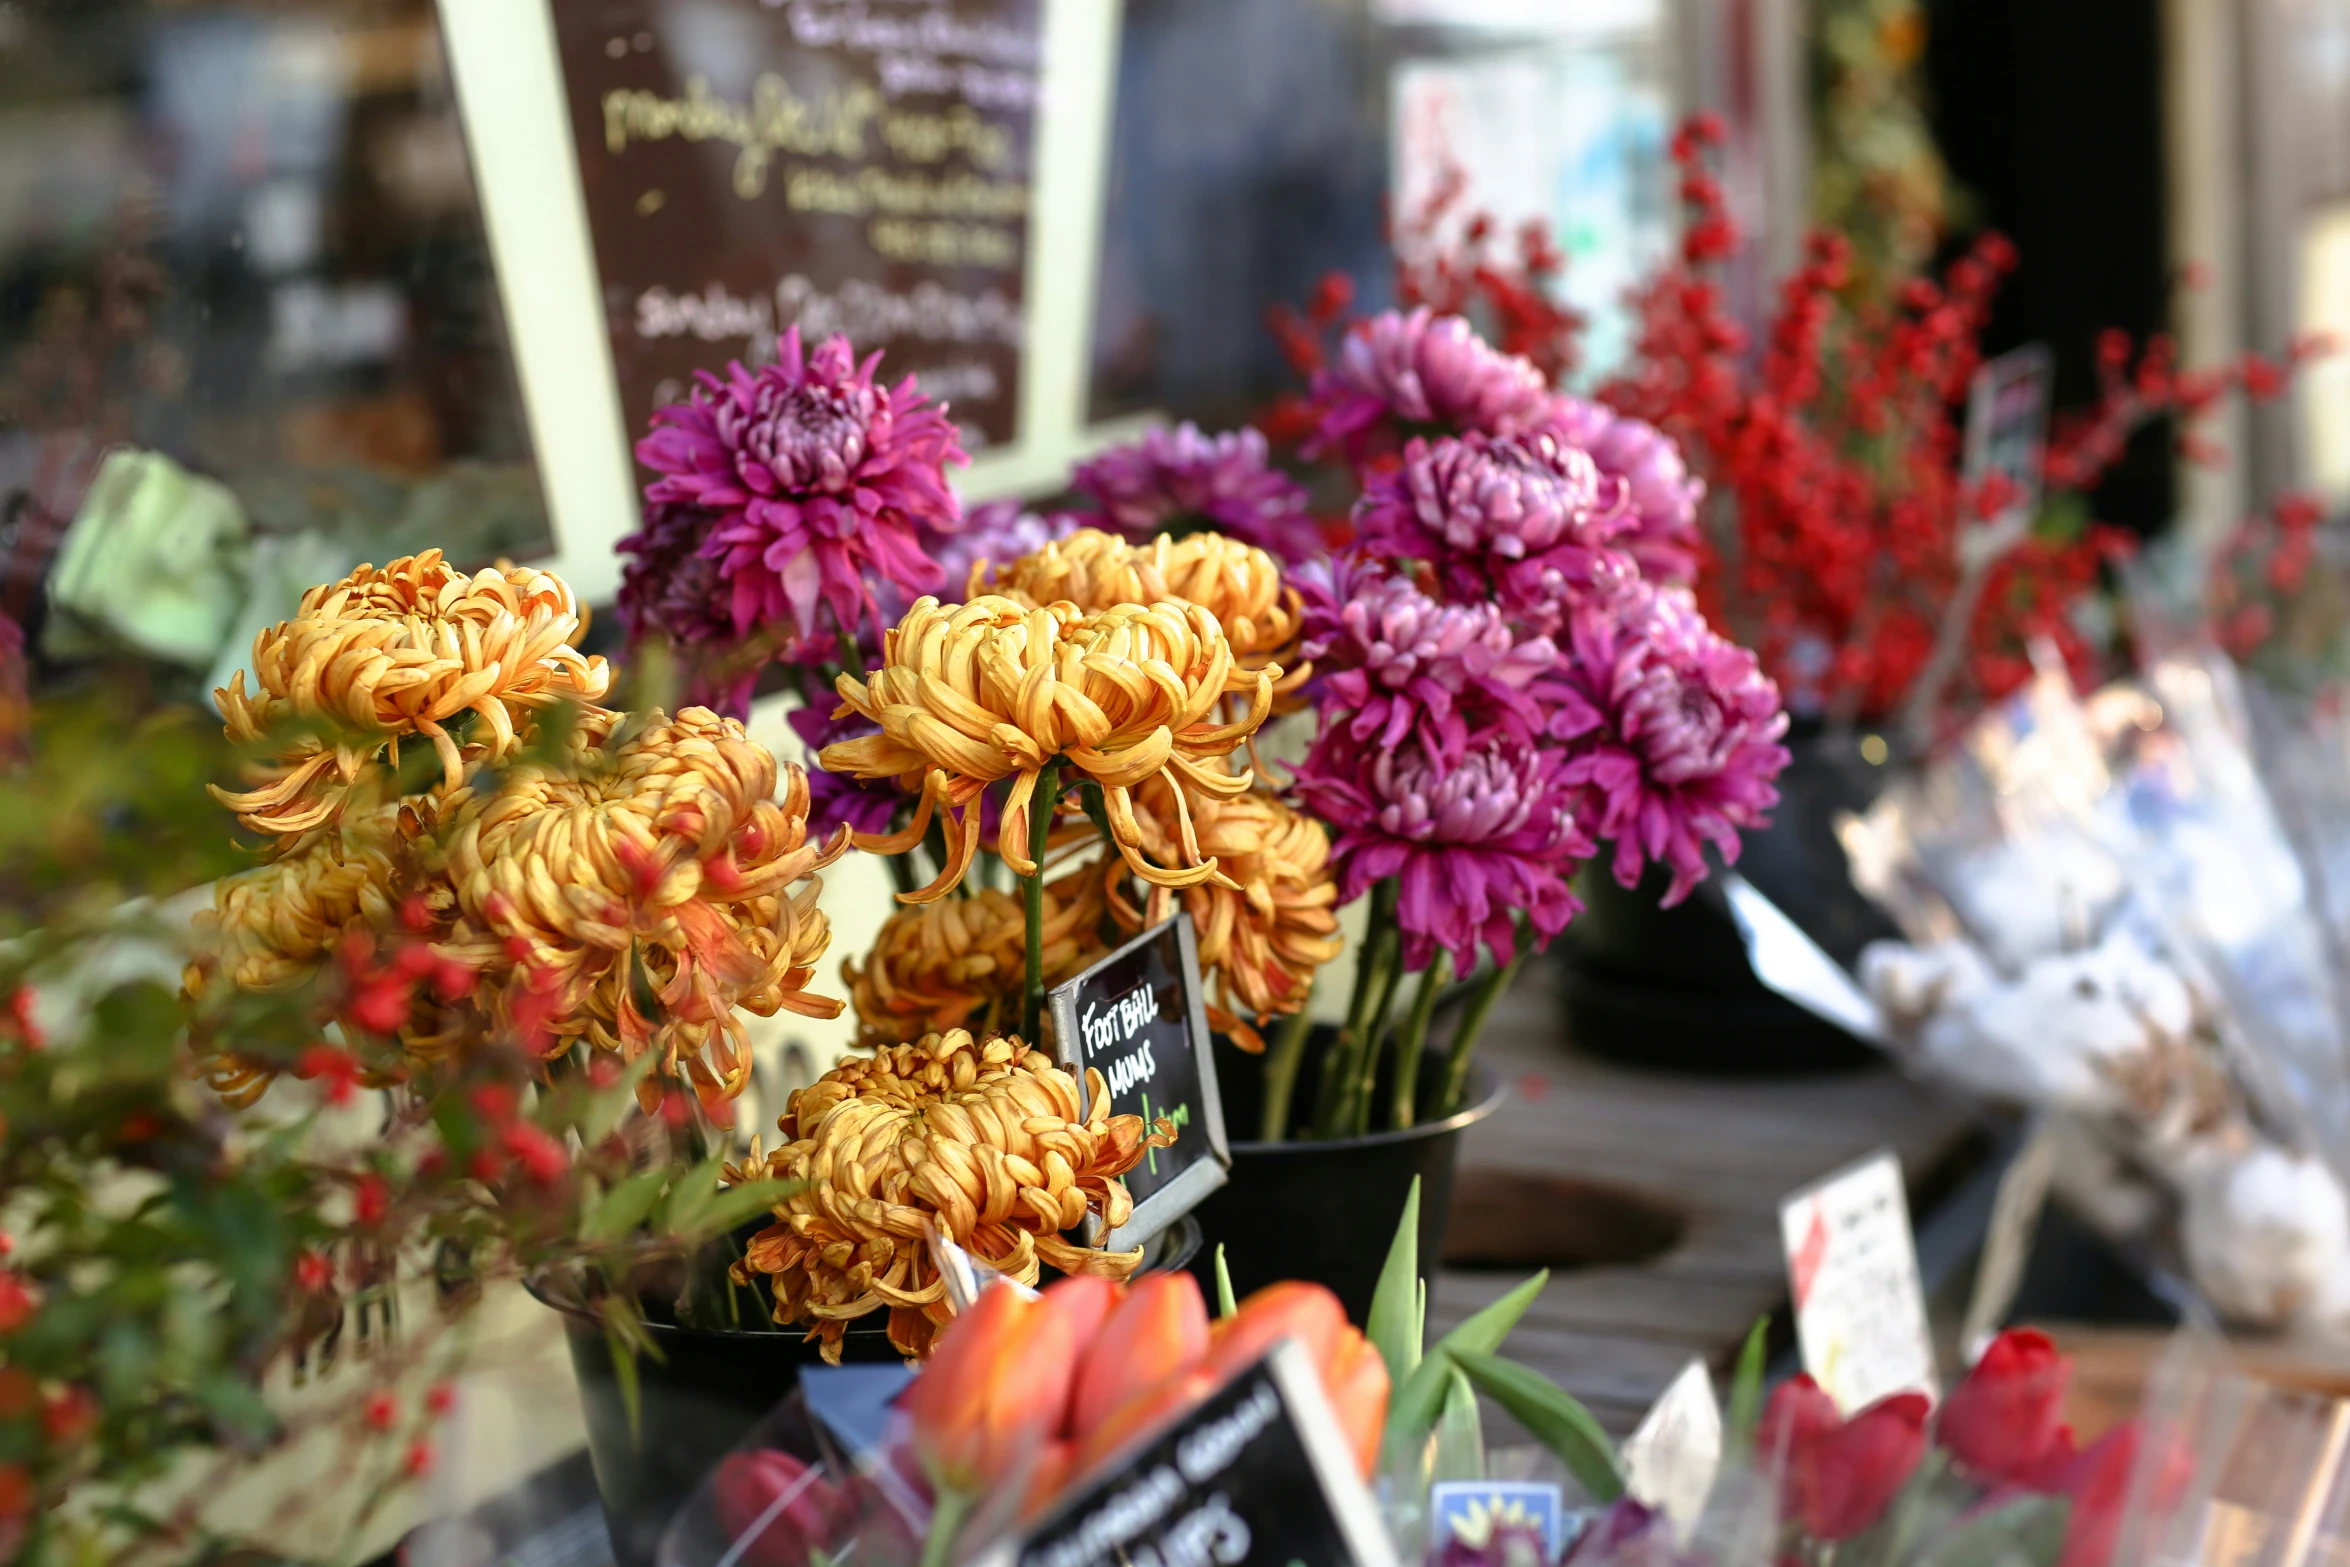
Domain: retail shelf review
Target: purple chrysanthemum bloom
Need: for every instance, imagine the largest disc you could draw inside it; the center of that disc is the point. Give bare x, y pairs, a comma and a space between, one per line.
669, 586
1524, 518
815, 477
1389, 659
1681, 742
1472, 843
1662, 536
835, 799
1421, 374
996, 532
1227, 483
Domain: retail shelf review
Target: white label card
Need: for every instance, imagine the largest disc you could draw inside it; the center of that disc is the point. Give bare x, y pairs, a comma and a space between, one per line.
1670, 1462
1860, 1314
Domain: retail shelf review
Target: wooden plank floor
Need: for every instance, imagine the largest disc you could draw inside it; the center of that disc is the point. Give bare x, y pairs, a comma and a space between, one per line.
1723, 1152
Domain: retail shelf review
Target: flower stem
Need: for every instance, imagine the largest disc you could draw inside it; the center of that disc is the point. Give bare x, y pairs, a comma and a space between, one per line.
946, 1521
1408, 1049
1375, 1038
1281, 1064
1040, 826
1464, 1039
1334, 1106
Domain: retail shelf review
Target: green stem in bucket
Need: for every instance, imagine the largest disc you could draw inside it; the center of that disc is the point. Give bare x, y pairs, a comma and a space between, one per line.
1464, 1040
1288, 1052
1408, 1049
1375, 1038
1334, 1107
1040, 826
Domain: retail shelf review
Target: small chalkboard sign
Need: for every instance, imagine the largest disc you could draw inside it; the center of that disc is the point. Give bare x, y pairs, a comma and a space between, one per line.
1140, 1018
1257, 1472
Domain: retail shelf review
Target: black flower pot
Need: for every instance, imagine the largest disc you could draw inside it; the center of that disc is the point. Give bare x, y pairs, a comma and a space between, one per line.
702, 1396
1672, 989
1326, 1211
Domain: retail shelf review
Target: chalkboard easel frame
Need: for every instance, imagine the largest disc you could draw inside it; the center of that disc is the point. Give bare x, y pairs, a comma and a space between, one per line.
1179, 1196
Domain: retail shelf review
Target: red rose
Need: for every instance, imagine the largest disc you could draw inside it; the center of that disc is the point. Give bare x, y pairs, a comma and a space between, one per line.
1840, 1474
2005, 1420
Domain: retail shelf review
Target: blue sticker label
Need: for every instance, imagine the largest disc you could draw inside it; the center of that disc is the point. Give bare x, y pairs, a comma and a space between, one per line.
1470, 1510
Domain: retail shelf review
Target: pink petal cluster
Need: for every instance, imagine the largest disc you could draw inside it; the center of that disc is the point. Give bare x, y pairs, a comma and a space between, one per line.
1179, 478
815, 478
1661, 535
1401, 375
1474, 841
1674, 728
1525, 519
1391, 660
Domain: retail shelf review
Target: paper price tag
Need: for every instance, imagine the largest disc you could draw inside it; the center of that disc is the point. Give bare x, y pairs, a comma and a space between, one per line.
1140, 1018
1860, 1313
1257, 1472
1470, 1510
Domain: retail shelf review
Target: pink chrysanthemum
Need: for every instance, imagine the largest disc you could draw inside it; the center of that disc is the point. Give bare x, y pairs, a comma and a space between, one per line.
1172, 480
814, 477
1473, 843
1390, 659
1680, 743
1522, 519
1662, 534
1400, 375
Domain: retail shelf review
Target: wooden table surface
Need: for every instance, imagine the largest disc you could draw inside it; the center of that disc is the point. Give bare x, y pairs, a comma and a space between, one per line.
1722, 1152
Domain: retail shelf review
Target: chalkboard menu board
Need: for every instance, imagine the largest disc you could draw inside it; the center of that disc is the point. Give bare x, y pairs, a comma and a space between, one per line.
1257, 1473
1140, 1018
857, 166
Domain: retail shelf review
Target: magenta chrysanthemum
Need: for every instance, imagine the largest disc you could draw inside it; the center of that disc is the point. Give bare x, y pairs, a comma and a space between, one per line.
1662, 533
1525, 519
1681, 745
1473, 844
1400, 375
1227, 483
1390, 659
814, 477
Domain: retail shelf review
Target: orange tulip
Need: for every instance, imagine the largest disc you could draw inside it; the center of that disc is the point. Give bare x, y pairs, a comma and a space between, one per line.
1356, 1381
1140, 1413
1158, 1330
1052, 1471
1085, 1300
995, 1384
1308, 1313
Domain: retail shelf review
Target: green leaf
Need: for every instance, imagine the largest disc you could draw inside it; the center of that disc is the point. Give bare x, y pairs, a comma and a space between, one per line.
622, 1209
1556, 1419
624, 1377
1460, 1435
739, 1204
1392, 1327
695, 1186
1418, 1396
1746, 1385
1225, 1305
606, 1106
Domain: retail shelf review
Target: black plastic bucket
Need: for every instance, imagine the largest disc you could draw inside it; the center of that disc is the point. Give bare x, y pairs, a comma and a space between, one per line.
1326, 1211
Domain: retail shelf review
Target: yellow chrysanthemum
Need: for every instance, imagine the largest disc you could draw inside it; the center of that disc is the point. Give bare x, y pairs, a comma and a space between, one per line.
962, 962
971, 693
1237, 583
1260, 943
983, 1139
656, 864
402, 651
